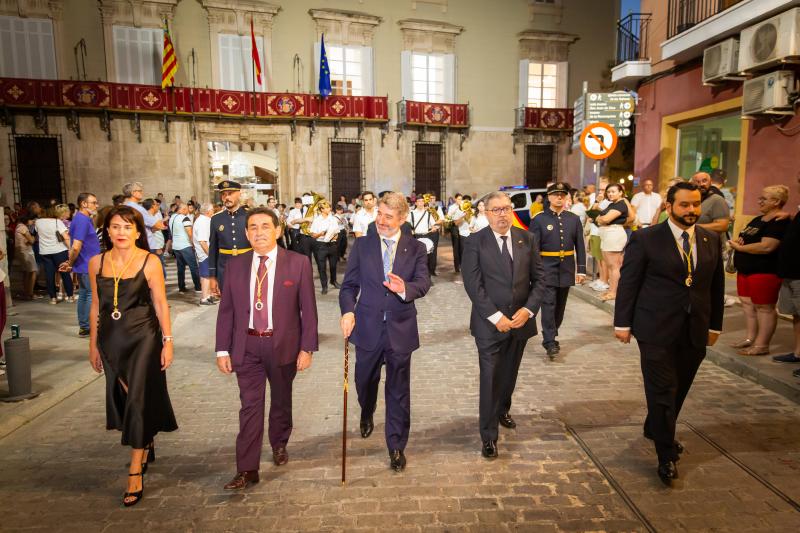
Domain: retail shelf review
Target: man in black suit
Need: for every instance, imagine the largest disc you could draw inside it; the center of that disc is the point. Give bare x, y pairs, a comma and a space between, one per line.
504, 278
670, 297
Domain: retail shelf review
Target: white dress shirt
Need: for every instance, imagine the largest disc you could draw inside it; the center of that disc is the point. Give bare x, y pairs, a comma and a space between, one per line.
495, 318
646, 206
294, 214
395, 239
272, 256
363, 219
327, 224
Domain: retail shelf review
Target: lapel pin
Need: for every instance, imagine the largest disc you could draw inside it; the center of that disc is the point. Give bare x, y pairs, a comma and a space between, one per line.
519, 242
405, 249
705, 239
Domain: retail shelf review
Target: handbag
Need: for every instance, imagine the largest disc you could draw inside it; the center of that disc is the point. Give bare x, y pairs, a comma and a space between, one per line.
730, 268
59, 237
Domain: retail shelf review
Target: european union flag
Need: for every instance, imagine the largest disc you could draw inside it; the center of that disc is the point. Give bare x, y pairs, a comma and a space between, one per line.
324, 71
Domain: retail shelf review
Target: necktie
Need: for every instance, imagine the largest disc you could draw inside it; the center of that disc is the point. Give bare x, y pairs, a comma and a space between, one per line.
507, 254
687, 249
260, 318
387, 258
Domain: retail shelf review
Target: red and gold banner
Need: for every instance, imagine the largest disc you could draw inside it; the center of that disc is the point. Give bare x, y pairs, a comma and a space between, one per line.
434, 114
129, 98
548, 119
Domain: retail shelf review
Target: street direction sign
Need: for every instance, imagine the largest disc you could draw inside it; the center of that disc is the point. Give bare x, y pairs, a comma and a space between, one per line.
598, 140
612, 108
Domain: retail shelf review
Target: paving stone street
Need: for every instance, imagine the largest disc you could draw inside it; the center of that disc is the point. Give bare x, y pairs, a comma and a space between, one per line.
576, 462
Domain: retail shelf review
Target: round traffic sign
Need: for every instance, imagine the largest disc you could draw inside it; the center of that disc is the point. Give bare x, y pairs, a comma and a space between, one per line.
598, 140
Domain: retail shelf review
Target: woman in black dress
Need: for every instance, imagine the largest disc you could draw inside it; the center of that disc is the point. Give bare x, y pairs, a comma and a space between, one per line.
131, 339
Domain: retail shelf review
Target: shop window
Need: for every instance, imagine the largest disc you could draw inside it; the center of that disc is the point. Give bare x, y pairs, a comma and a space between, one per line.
711, 145
236, 62
27, 49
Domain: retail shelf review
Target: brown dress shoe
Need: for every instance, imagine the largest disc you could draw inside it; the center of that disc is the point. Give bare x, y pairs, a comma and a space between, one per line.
280, 456
242, 480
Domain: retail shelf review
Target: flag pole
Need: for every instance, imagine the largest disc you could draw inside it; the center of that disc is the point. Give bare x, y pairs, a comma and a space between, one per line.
344, 417
253, 96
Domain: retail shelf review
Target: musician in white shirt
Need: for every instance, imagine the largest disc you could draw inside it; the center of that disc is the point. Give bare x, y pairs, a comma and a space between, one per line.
455, 214
301, 243
425, 226
344, 228
363, 218
324, 230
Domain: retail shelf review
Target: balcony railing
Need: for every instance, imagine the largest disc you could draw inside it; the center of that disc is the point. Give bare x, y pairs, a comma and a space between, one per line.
683, 14
632, 37
411, 113
536, 118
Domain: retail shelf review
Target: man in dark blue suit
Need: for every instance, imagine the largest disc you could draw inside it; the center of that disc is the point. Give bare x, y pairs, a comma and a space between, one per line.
386, 271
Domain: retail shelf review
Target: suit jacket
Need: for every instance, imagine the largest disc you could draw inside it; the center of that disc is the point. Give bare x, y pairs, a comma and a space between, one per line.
487, 284
363, 293
294, 307
652, 297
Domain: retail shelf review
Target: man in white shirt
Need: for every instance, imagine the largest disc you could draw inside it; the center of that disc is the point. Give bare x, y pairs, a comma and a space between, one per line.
647, 204
324, 230
201, 233
292, 226
423, 226
454, 214
366, 215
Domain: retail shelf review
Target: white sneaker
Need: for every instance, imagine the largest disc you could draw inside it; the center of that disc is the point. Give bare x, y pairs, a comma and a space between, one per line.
53, 301
730, 301
601, 287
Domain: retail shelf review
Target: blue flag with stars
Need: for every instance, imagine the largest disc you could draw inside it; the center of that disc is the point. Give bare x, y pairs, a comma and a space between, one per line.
324, 71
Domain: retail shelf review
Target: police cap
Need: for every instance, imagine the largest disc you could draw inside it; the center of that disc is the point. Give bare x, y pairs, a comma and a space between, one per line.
559, 187
228, 185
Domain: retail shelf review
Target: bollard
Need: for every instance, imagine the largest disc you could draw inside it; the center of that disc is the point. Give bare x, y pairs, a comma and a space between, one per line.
18, 369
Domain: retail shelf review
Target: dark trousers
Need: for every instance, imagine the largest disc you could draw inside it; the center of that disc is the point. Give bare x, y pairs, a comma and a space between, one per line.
553, 306
161, 258
304, 244
222, 262
461, 242
292, 234
326, 251
455, 239
668, 373
499, 365
51, 263
184, 258
397, 389
259, 366
434, 238
342, 243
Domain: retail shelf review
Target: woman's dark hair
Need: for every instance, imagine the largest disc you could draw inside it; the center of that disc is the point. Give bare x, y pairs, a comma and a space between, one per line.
617, 185
130, 215
680, 186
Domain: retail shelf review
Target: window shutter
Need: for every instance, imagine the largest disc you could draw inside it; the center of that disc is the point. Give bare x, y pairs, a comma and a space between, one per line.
137, 55
27, 48
226, 80
405, 74
562, 87
524, 65
449, 78
367, 79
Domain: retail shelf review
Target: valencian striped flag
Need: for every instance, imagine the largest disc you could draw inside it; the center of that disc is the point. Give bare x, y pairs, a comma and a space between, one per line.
256, 60
169, 61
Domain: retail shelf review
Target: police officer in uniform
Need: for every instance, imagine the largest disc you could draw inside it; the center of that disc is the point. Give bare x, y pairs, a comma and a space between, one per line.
560, 237
227, 232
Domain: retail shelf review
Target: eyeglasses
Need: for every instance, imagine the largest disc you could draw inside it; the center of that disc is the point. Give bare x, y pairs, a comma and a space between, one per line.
501, 210
763, 199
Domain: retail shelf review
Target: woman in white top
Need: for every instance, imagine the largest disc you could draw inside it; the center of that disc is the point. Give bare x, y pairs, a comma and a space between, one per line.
24, 257
53, 236
479, 221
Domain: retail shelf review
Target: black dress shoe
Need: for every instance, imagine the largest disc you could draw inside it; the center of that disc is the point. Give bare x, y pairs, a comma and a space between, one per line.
667, 471
507, 422
324, 290
552, 351
678, 446
397, 461
336, 285
489, 449
366, 427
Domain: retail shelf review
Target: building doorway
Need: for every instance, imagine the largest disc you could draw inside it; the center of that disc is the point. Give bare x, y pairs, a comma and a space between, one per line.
429, 168
37, 169
346, 169
540, 165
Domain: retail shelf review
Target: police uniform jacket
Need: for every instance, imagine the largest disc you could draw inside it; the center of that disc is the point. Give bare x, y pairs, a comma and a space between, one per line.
557, 233
227, 233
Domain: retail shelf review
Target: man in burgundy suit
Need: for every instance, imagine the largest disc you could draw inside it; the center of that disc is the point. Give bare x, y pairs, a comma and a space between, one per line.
260, 344
386, 271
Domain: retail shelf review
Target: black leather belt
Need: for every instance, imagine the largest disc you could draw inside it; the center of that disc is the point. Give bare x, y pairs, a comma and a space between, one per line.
256, 333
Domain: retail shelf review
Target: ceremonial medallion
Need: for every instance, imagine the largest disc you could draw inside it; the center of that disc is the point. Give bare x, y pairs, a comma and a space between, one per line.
688, 281
259, 306
116, 315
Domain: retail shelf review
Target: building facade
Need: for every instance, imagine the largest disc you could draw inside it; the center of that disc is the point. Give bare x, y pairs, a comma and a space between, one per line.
82, 105
718, 92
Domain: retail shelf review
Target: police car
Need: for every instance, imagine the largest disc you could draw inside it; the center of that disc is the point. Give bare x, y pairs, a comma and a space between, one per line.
521, 198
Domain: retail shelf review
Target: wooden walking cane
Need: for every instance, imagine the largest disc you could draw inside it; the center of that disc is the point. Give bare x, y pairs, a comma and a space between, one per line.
344, 418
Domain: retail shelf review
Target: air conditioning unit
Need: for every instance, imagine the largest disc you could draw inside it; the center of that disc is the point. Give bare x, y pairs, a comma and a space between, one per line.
768, 94
770, 42
721, 61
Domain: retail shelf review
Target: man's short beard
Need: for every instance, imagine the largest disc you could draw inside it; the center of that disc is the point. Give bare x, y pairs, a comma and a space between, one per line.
683, 220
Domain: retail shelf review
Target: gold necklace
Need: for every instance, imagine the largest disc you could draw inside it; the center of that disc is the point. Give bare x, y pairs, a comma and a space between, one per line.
116, 314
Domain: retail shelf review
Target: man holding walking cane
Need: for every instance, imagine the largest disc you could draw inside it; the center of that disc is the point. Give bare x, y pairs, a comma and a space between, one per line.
386, 272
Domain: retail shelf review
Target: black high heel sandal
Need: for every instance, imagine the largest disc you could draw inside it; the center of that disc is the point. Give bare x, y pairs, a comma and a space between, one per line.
138, 495
151, 456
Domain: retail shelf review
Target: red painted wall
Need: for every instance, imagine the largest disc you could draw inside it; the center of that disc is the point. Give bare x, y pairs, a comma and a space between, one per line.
772, 157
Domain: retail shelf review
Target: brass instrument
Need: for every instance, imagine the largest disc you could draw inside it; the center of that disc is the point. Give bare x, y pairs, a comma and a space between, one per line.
305, 227
427, 198
466, 208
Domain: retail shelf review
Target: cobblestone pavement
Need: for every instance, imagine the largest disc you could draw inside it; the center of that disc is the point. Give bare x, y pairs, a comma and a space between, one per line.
576, 462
